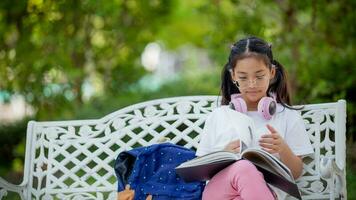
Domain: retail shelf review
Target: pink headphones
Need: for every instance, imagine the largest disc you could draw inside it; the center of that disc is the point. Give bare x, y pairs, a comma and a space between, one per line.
267, 106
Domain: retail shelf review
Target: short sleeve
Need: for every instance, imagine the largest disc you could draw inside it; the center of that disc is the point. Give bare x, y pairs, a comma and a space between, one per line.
296, 136
206, 137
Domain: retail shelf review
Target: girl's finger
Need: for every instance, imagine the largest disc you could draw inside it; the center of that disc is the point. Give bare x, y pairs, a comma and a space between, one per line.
274, 136
235, 143
271, 129
268, 150
266, 145
266, 140
238, 144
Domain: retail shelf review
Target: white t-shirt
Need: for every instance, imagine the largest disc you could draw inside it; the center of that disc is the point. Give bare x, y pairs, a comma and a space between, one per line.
222, 126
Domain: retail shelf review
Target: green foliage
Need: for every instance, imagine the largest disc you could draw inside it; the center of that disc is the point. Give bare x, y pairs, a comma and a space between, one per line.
206, 83
12, 149
350, 171
64, 44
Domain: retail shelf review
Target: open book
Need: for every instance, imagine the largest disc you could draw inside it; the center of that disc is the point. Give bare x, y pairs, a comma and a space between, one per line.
274, 171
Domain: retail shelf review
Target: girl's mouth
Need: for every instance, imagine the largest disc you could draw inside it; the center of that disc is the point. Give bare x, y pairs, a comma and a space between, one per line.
255, 91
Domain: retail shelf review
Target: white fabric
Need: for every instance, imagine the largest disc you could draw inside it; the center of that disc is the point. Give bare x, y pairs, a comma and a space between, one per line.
222, 126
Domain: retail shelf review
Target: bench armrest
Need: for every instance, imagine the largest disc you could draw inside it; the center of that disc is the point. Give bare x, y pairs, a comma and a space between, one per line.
329, 171
6, 186
328, 167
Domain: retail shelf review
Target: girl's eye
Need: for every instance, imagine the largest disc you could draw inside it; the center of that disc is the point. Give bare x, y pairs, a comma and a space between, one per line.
260, 77
242, 78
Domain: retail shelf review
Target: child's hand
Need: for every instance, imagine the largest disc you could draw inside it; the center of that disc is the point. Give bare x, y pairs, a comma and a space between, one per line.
129, 194
126, 194
273, 142
233, 146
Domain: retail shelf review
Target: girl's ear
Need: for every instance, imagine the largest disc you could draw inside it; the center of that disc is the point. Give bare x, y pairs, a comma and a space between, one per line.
232, 74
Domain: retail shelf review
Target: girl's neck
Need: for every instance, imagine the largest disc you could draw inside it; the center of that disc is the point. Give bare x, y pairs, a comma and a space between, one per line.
252, 106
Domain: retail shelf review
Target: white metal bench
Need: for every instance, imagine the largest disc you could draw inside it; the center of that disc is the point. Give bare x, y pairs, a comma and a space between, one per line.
74, 159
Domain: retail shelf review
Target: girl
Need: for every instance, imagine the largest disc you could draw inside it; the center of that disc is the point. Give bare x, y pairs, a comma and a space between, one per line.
254, 83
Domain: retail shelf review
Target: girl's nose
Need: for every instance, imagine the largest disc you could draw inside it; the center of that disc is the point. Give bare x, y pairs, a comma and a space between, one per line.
252, 83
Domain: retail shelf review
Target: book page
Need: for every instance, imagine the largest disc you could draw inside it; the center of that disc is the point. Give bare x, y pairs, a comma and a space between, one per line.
211, 158
235, 126
243, 146
267, 161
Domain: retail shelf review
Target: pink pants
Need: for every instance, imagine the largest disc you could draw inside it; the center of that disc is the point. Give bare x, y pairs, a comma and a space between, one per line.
240, 180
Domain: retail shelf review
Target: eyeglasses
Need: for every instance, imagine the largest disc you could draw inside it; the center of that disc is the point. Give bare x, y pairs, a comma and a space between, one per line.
259, 81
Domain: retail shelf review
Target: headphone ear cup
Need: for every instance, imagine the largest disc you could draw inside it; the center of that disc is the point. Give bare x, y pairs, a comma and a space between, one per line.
238, 103
267, 107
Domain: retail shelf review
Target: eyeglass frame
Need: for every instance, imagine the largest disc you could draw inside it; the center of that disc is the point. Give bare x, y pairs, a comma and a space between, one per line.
254, 82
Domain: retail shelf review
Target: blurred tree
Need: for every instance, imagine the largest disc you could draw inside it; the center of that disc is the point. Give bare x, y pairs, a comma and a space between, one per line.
50, 49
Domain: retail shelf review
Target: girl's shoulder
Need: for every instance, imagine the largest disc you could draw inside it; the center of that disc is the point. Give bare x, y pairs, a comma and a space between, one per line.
288, 114
219, 112
221, 109
286, 111
225, 112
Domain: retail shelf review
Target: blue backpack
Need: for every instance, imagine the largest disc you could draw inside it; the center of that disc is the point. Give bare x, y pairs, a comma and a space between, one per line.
151, 170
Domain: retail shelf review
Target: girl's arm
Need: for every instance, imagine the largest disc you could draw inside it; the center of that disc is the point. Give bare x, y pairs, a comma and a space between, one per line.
274, 143
293, 162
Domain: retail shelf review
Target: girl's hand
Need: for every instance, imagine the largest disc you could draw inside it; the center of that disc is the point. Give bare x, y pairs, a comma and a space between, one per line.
273, 142
233, 146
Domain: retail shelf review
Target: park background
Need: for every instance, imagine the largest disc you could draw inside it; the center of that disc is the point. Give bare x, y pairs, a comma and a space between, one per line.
69, 59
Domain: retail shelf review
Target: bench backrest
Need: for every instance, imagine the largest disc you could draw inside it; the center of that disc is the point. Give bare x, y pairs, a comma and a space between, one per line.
74, 159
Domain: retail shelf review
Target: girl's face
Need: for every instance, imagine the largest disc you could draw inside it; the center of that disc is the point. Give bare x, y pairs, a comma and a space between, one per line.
253, 77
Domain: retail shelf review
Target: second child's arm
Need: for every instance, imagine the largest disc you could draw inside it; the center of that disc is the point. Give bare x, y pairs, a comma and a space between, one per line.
274, 143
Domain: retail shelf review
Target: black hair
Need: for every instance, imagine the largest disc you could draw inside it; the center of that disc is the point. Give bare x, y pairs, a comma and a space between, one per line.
258, 48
